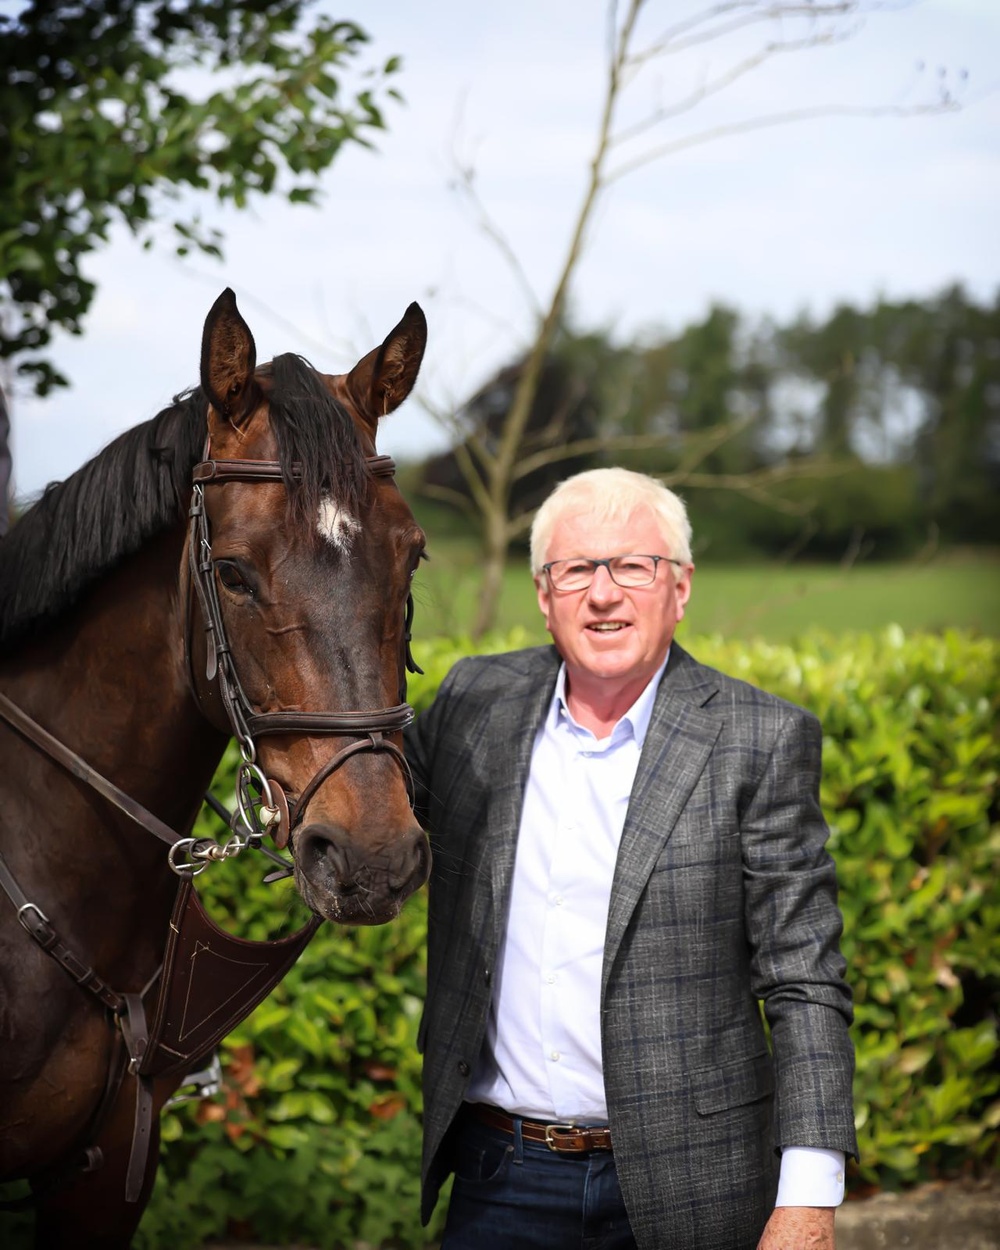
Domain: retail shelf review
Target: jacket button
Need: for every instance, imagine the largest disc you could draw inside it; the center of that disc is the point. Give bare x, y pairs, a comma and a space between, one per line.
487, 976
463, 1068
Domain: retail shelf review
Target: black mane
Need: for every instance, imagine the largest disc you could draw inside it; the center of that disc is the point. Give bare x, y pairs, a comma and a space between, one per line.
139, 485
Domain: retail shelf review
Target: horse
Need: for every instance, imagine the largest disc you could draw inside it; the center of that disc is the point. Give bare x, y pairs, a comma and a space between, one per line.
239, 566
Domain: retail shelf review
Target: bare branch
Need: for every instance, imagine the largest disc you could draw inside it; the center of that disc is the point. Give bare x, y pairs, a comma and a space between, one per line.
474, 481
671, 41
947, 105
454, 498
722, 82
584, 447
702, 445
464, 183
713, 439
756, 483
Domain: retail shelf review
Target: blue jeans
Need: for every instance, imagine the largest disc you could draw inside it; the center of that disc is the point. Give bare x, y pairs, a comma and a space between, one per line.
511, 1194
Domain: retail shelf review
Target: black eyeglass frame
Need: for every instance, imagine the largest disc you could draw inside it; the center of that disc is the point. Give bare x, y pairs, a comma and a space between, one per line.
607, 562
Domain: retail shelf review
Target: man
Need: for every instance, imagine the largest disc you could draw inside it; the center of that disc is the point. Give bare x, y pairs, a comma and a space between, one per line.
629, 857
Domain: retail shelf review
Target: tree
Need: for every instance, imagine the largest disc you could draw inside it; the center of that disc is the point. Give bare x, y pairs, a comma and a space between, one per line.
111, 108
493, 465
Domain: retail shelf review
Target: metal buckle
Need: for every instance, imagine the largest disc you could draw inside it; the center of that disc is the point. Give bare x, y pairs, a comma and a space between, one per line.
552, 1137
26, 907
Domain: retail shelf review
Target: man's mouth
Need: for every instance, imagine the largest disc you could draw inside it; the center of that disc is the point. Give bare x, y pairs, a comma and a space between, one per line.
607, 627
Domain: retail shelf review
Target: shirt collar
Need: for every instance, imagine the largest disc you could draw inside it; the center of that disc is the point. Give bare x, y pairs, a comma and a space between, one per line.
637, 717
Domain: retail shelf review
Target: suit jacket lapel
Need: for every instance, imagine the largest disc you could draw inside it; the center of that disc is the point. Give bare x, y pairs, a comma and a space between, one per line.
679, 741
513, 726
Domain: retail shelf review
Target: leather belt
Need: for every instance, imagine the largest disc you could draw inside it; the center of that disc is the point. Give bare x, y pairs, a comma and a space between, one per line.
563, 1138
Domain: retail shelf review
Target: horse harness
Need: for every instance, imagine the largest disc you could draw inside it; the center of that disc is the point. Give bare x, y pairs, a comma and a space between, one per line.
210, 980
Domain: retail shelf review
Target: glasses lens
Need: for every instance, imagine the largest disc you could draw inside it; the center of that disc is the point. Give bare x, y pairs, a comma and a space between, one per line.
627, 571
571, 574
633, 570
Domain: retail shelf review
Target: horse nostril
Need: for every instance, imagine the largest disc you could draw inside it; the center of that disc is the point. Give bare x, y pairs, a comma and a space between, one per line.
319, 850
414, 865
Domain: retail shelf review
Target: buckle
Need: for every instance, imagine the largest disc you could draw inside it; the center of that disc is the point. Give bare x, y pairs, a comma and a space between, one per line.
566, 1137
38, 926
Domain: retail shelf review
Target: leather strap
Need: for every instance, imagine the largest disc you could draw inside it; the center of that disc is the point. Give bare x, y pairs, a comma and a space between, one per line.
562, 1138
270, 470
136, 1035
80, 769
371, 742
37, 925
389, 719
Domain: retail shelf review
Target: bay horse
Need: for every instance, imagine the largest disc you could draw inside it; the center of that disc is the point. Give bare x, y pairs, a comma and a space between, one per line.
135, 641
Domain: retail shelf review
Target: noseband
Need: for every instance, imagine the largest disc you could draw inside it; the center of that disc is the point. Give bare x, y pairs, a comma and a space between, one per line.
267, 810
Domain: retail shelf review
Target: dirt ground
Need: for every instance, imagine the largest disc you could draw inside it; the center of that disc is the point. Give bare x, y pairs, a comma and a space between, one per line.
956, 1215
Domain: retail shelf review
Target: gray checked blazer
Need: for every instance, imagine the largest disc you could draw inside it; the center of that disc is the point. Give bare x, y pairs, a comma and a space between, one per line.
723, 897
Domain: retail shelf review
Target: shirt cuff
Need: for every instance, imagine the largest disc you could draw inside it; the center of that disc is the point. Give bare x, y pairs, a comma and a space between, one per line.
810, 1177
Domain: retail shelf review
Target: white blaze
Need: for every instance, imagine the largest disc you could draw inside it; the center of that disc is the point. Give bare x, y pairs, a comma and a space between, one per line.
335, 525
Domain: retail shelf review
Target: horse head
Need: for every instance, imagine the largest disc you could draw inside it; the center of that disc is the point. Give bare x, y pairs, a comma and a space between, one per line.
301, 558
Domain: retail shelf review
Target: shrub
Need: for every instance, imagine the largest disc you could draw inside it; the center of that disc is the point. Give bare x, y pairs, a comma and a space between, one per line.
315, 1138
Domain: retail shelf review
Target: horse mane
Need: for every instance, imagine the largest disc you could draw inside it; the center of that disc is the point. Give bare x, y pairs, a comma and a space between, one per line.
140, 484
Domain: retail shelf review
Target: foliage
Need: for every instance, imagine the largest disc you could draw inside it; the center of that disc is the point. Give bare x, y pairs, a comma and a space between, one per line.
108, 106
315, 1138
865, 432
911, 765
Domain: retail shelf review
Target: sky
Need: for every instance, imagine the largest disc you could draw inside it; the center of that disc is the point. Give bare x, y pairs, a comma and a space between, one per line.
773, 222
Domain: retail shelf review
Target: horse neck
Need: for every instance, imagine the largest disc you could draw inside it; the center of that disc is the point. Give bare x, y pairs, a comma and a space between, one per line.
110, 682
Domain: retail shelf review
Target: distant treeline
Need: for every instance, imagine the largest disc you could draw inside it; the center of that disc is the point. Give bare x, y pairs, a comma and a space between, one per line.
874, 431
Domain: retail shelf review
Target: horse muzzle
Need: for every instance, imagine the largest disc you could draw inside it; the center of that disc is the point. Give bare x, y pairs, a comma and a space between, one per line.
350, 880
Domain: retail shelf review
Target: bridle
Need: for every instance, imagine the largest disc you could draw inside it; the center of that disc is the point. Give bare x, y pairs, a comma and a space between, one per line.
262, 806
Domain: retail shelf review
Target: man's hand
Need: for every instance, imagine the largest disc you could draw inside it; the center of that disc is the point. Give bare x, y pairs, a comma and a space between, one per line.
799, 1228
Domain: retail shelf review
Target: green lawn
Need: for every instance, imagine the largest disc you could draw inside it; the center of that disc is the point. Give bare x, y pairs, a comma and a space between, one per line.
776, 602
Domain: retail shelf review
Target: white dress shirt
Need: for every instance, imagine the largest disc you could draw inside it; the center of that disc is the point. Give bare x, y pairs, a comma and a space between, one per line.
542, 1055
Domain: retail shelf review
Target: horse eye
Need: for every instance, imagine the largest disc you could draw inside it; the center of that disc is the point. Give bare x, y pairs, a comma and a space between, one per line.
232, 578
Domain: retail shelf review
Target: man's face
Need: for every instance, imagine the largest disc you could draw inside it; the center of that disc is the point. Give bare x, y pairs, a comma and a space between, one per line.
605, 632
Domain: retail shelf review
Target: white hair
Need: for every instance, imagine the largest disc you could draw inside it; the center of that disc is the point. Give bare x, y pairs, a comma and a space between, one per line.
610, 496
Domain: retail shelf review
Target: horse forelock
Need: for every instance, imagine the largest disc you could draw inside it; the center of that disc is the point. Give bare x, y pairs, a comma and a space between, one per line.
317, 434
81, 528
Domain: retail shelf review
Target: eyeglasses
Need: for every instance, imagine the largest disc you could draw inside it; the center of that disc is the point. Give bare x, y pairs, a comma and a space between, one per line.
629, 572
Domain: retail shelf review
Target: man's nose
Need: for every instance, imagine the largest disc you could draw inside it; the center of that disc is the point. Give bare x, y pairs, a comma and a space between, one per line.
604, 588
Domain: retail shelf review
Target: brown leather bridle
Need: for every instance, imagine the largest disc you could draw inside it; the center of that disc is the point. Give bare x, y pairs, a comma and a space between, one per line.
267, 810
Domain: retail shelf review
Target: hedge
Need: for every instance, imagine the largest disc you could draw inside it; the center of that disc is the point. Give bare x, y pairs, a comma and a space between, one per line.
315, 1138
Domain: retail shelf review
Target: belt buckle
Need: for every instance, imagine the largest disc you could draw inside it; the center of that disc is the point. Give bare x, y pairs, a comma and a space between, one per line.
552, 1137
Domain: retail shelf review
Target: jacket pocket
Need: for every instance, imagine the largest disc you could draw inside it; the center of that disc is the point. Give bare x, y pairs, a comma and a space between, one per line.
733, 1084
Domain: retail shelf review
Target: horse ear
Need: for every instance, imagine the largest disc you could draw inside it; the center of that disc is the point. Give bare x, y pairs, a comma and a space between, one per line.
382, 380
228, 359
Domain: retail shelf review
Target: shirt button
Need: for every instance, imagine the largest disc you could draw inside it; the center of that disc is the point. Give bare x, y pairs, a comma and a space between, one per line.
551, 978
555, 1056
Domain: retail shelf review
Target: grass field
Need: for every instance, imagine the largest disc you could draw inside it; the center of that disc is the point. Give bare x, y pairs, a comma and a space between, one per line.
960, 590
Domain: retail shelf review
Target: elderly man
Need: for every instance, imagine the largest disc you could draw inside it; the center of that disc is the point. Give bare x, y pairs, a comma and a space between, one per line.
629, 860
